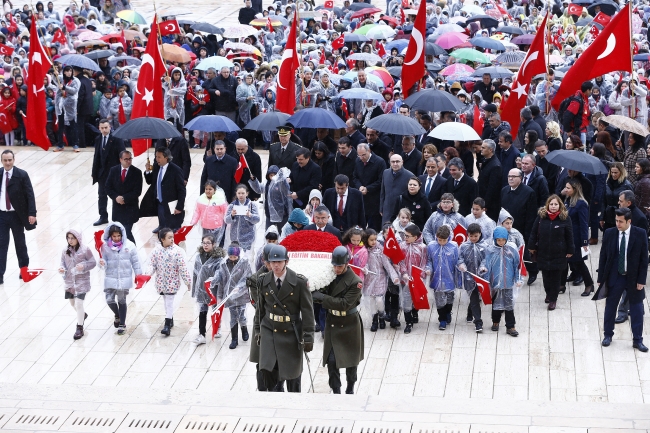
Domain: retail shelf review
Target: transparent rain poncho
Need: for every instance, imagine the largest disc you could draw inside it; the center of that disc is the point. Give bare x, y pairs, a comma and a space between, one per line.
501, 268
437, 220
416, 255
236, 284
442, 261
471, 255
279, 202
213, 268
514, 235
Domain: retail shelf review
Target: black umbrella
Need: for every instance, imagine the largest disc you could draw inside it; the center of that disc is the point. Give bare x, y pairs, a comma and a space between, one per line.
494, 71
100, 54
268, 121
207, 28
357, 6
510, 29
577, 161
435, 66
606, 6
433, 100
486, 21
394, 123
395, 71
146, 127
432, 49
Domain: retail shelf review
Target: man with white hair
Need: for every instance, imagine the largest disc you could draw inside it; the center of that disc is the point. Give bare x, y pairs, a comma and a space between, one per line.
254, 162
356, 105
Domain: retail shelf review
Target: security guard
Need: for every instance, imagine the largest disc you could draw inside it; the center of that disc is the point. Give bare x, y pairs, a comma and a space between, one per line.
284, 320
254, 283
343, 346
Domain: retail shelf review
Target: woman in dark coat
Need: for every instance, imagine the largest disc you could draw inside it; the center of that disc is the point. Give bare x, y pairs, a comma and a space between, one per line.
321, 155
616, 183
598, 182
642, 188
553, 227
579, 214
415, 201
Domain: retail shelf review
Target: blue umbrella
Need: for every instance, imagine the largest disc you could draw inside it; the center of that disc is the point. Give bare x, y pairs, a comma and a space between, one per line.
79, 61
146, 127
316, 118
400, 44
489, 43
216, 62
360, 93
212, 123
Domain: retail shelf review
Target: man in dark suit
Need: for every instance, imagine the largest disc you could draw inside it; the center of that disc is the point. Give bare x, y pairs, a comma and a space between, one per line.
17, 211
463, 187
507, 155
352, 130
124, 186
323, 134
345, 158
345, 204
534, 178
489, 179
254, 165
84, 105
441, 162
180, 152
623, 267
549, 169
167, 185
220, 168
283, 154
434, 184
305, 177
379, 147
367, 176
107, 155
427, 124
321, 217
410, 155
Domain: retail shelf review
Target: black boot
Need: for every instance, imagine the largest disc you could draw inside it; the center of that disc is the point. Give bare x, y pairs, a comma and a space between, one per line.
244, 333
79, 332
394, 323
336, 390
234, 331
171, 324
382, 321
203, 320
414, 316
375, 323
166, 328
350, 388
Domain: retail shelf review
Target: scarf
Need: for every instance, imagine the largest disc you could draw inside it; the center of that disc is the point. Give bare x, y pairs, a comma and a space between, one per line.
115, 246
552, 215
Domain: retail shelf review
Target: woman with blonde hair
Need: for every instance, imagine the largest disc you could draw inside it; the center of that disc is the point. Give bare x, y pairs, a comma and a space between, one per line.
553, 136
551, 240
578, 210
428, 151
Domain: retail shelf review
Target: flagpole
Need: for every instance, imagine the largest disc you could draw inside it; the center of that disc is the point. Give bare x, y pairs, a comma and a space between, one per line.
162, 48
302, 69
56, 76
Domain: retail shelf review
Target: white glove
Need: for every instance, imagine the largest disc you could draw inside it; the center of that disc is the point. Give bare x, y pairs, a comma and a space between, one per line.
482, 270
462, 267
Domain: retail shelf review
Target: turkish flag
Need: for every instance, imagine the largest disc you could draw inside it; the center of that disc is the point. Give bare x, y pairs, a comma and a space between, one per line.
338, 43
169, 27
99, 241
357, 270
322, 59
522, 265
483, 287
213, 300
534, 64
121, 117
39, 64
59, 37
402, 16
392, 249
148, 95
417, 287
344, 109
575, 9
141, 280
594, 31
610, 51
381, 51
29, 274
602, 19
460, 234
268, 23
7, 113
215, 318
181, 234
413, 67
405, 4
477, 122
329, 4
286, 92
502, 10
243, 164
6, 50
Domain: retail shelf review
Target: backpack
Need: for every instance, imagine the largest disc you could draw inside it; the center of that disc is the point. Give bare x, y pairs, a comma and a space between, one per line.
570, 122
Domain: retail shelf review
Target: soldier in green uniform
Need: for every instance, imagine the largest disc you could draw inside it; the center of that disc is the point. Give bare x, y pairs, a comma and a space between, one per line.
284, 322
343, 346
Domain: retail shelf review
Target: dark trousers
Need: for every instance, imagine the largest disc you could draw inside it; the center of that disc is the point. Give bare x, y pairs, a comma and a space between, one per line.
374, 222
320, 314
335, 375
128, 227
49, 128
272, 381
69, 130
580, 267
594, 218
510, 317
11, 221
552, 282
616, 284
391, 300
443, 313
166, 219
624, 305
102, 198
474, 306
531, 266
81, 129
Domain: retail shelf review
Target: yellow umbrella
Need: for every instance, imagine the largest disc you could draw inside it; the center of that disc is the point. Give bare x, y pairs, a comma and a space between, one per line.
174, 53
263, 22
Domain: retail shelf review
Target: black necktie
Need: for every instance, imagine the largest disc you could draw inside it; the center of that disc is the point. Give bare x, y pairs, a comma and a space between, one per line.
621, 255
279, 283
455, 183
104, 143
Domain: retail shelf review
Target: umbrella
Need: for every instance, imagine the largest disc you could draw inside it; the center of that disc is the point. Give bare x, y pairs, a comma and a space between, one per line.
337, 11
457, 131
526, 39
643, 57
433, 100
352, 76
183, 22
400, 44
174, 53
365, 11
470, 55
100, 54
131, 16
240, 46
554, 59
366, 57
364, 29
382, 73
336, 79
381, 32
263, 22
583, 2
435, 66
456, 68
451, 40
355, 37
89, 35
216, 62
485, 20
577, 161
316, 118
626, 124
359, 93
129, 35
510, 29
212, 123
606, 6
472, 9
357, 6
395, 71
432, 49
444, 29
514, 58
207, 28
79, 61
239, 31
394, 123
267, 121
584, 22
146, 127
494, 71
128, 60
488, 43
93, 43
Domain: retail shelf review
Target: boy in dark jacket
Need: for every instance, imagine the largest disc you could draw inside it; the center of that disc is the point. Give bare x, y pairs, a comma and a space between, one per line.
21, 112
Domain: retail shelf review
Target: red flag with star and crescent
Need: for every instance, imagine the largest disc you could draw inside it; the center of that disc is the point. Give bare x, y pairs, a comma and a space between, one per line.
6, 50
392, 249
522, 264
148, 97
534, 64
483, 287
286, 94
413, 67
39, 64
59, 37
417, 287
169, 27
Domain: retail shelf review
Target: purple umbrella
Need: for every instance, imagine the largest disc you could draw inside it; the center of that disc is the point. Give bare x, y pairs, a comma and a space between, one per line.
526, 39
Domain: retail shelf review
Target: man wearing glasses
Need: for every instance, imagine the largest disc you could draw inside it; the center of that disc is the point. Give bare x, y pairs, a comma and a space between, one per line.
123, 186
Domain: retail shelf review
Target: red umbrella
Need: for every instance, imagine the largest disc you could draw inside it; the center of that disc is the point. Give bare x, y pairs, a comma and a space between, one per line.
365, 11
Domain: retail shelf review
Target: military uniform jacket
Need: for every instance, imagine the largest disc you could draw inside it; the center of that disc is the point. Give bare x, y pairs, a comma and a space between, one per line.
278, 342
344, 334
254, 282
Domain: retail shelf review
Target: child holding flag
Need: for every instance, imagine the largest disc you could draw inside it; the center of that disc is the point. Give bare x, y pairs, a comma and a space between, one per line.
470, 255
442, 257
120, 108
375, 284
415, 254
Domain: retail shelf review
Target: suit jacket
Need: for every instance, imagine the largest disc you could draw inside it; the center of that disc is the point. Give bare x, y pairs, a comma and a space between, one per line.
21, 195
436, 191
382, 150
222, 172
465, 193
353, 214
489, 186
303, 180
522, 205
356, 138
328, 141
130, 190
329, 228
173, 188
637, 263
370, 176
254, 166
345, 165
180, 154
84, 96
286, 160
104, 160
445, 173
412, 162
508, 160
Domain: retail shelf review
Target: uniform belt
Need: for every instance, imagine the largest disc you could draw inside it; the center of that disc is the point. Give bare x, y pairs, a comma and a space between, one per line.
276, 318
344, 313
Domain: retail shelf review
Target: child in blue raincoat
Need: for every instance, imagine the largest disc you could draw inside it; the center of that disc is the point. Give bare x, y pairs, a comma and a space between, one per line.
470, 255
442, 258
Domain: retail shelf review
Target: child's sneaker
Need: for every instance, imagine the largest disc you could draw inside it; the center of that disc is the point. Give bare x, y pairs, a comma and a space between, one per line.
443, 325
478, 327
121, 330
200, 339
